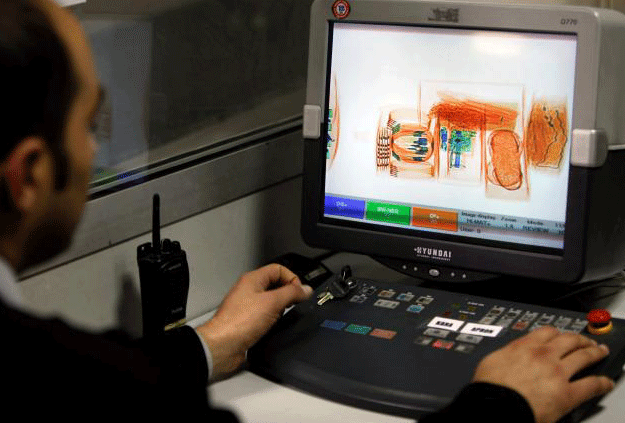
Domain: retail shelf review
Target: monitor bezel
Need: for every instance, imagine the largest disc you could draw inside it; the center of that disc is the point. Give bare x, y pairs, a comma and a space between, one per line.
566, 265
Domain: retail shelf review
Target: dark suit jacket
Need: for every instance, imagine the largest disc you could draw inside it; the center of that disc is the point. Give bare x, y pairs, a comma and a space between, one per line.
51, 369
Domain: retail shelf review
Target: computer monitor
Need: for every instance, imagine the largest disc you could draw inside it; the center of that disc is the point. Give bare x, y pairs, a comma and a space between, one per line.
458, 141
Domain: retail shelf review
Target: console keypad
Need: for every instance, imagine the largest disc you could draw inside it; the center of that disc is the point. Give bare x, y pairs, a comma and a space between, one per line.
562, 322
460, 326
544, 320
492, 315
578, 325
368, 289
509, 317
525, 320
358, 298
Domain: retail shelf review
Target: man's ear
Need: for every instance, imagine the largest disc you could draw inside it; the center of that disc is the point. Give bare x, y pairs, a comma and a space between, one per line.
27, 171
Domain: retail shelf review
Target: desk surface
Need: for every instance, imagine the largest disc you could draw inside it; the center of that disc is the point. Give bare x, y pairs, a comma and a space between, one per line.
258, 400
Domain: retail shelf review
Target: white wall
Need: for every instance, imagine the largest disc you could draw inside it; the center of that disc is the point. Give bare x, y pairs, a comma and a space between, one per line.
614, 4
102, 290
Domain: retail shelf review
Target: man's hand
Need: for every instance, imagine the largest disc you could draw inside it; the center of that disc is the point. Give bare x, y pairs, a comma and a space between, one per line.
251, 308
539, 366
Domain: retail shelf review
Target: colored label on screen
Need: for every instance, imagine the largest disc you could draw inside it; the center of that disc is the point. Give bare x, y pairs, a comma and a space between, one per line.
390, 213
435, 219
345, 207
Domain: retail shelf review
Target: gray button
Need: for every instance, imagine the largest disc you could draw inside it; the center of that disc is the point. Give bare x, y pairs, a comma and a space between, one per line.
464, 348
386, 303
424, 300
407, 296
471, 339
392, 304
434, 273
381, 303
439, 333
562, 322
423, 340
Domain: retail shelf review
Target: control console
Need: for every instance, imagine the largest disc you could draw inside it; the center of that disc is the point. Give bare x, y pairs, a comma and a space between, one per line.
408, 350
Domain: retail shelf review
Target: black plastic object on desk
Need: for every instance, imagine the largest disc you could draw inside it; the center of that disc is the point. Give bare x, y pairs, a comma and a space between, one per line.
406, 350
309, 270
164, 279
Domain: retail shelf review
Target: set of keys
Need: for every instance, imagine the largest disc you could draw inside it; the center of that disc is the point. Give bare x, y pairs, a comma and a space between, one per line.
340, 287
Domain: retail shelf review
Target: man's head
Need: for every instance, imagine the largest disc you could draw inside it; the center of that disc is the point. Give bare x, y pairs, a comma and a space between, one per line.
49, 102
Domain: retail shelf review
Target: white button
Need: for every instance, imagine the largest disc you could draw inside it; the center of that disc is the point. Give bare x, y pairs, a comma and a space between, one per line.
447, 324
434, 273
481, 330
312, 122
589, 147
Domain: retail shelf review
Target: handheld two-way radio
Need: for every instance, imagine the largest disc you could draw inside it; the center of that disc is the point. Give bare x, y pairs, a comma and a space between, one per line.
164, 279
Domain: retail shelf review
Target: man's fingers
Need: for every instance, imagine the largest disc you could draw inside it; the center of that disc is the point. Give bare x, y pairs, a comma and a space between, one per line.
291, 293
589, 387
583, 357
271, 275
566, 343
538, 336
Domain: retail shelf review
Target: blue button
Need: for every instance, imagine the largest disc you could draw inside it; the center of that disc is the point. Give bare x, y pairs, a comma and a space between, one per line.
415, 308
345, 207
333, 324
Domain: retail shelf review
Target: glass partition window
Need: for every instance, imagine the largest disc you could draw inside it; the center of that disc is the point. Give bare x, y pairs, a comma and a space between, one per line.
184, 77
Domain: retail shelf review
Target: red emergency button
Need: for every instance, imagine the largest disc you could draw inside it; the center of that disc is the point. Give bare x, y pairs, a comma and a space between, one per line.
599, 321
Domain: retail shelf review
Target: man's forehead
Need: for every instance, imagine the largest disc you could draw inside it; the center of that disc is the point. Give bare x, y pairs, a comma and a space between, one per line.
56, 12
65, 25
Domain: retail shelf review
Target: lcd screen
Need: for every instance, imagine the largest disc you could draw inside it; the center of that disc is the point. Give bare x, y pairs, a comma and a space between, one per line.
459, 132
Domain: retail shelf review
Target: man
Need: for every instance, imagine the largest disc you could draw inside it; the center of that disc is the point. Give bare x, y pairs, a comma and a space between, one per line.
50, 96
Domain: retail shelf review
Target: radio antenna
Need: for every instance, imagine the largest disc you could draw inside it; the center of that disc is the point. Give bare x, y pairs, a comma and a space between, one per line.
156, 223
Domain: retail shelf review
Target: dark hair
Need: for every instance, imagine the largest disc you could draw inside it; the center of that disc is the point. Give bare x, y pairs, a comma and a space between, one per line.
37, 81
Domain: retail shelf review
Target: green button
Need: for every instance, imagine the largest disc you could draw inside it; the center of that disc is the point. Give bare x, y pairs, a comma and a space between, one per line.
361, 330
390, 213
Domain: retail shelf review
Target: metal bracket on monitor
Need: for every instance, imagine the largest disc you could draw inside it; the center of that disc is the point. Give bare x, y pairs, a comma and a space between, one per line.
312, 122
589, 147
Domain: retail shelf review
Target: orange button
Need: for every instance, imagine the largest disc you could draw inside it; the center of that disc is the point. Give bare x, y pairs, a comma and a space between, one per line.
381, 333
435, 219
